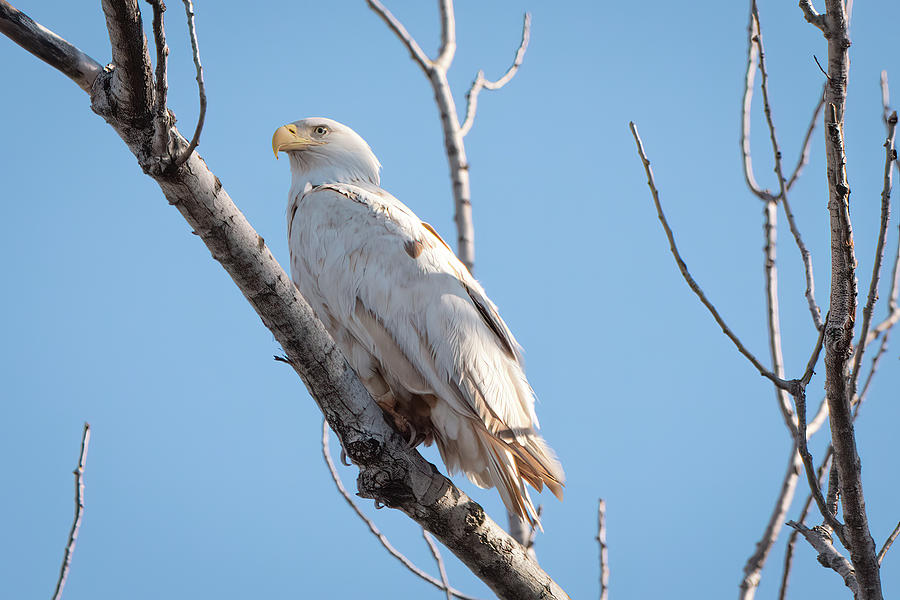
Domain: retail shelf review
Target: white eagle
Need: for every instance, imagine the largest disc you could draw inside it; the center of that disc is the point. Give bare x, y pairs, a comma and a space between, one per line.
417, 328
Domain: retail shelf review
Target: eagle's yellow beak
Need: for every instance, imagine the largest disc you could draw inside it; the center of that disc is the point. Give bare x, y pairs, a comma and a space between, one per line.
287, 138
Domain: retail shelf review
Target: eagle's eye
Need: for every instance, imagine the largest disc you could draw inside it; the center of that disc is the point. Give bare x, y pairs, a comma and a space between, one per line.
320, 130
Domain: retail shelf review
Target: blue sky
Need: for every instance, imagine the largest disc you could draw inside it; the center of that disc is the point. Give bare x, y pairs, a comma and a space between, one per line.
204, 477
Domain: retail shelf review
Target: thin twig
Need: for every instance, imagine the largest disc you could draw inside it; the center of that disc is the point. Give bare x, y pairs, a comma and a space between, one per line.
811, 478
781, 383
749, 78
601, 540
375, 531
779, 172
79, 512
481, 82
792, 539
189, 11
890, 156
772, 313
753, 568
888, 542
807, 142
436, 553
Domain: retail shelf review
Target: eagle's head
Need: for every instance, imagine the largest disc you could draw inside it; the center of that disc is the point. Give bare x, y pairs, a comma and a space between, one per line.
324, 151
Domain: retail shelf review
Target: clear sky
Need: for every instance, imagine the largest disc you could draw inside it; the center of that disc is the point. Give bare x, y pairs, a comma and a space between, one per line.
204, 478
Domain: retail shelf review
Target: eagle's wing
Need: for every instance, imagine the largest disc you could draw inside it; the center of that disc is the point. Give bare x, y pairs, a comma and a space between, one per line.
410, 315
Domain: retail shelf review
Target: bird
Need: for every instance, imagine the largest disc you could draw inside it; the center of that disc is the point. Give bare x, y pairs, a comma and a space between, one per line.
411, 320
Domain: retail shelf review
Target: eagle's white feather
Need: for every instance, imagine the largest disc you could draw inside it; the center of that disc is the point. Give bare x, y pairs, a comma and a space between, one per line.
414, 324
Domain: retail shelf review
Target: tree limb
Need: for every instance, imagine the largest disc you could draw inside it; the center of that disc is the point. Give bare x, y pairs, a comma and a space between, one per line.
842, 313
829, 556
49, 47
390, 472
132, 78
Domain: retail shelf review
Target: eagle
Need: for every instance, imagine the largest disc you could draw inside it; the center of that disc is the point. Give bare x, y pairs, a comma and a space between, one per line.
410, 318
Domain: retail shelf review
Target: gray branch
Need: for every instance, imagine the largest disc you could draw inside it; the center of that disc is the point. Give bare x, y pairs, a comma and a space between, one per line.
49, 47
390, 472
829, 557
840, 322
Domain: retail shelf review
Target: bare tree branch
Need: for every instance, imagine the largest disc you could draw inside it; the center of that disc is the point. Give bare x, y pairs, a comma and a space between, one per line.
888, 542
132, 77
49, 47
753, 567
160, 109
480, 81
811, 15
436, 72
807, 142
436, 553
782, 184
448, 35
749, 78
79, 513
390, 472
397, 27
886, 105
441, 585
812, 479
890, 157
601, 540
201, 88
773, 322
781, 383
829, 556
841, 316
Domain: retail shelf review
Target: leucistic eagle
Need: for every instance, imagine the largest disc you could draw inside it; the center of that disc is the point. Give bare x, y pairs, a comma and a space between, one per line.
417, 328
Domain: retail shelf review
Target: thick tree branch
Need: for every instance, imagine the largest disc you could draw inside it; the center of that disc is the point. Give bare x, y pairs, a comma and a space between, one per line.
132, 77
79, 513
390, 472
842, 313
49, 47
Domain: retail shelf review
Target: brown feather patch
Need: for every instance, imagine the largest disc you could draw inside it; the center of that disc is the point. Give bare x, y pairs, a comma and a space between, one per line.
435, 234
414, 248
